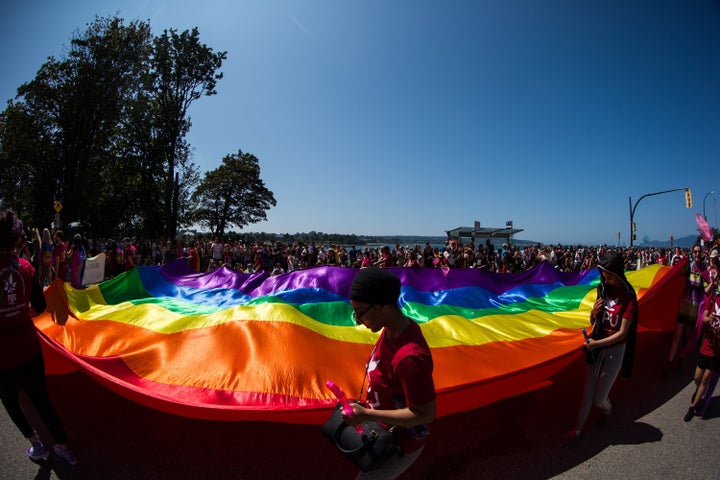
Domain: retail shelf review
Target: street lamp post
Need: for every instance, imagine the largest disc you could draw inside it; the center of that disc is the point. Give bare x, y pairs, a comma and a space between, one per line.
688, 200
704, 198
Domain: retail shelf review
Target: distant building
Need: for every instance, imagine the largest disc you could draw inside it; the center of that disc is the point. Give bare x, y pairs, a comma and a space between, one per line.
497, 235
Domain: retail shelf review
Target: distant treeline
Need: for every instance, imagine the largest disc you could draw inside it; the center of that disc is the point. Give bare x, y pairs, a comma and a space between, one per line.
321, 238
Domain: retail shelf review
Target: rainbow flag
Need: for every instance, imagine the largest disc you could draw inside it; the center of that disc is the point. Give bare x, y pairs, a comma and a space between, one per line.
230, 346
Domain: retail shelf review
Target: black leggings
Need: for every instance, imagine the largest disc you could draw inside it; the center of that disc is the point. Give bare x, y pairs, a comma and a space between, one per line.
30, 378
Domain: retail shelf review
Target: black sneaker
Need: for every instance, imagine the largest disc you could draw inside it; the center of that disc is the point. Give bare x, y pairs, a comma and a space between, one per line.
690, 414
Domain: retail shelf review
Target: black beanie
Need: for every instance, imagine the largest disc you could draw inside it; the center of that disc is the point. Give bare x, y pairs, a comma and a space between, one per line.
613, 262
375, 286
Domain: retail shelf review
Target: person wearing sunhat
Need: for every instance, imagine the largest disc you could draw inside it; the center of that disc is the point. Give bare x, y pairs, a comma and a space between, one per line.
400, 392
612, 342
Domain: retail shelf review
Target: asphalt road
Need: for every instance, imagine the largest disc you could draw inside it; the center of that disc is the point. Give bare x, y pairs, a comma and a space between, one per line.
518, 438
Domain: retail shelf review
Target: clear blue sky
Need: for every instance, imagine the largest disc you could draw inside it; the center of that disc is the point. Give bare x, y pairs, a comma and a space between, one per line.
415, 117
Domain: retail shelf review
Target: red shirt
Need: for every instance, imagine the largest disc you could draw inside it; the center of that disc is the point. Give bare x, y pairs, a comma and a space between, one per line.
399, 376
18, 340
130, 255
618, 304
59, 254
194, 259
386, 260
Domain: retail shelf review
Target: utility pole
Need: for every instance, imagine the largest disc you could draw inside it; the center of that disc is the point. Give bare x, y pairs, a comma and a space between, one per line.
633, 227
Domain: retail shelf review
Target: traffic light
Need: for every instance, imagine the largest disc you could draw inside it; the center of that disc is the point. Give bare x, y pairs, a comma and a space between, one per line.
688, 198
634, 227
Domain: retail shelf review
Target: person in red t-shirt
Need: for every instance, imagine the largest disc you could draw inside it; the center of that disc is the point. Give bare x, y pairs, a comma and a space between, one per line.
21, 361
401, 391
612, 343
194, 257
386, 259
708, 361
130, 254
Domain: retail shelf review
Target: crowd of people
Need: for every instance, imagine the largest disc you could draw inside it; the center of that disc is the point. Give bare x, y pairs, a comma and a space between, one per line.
278, 257
209, 253
54, 258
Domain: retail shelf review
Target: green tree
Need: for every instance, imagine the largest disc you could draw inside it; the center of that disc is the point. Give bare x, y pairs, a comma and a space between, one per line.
64, 123
232, 194
103, 130
25, 150
183, 70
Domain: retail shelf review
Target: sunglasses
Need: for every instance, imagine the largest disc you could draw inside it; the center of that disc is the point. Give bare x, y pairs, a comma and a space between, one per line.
358, 316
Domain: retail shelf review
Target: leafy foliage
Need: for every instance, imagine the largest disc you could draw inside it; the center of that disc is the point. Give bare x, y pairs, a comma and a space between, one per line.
232, 194
183, 70
103, 130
